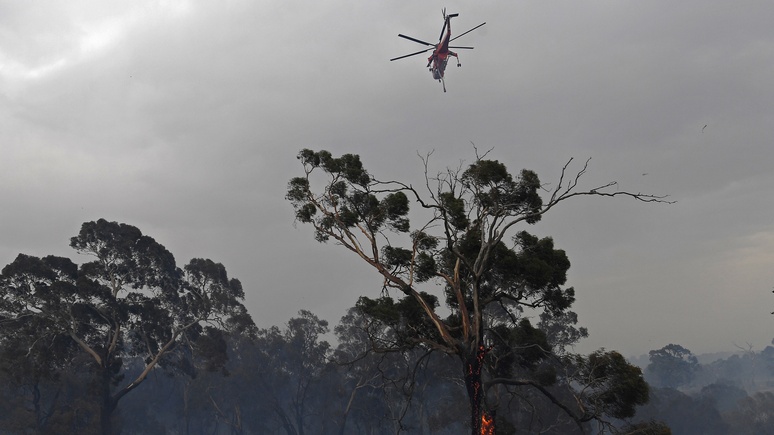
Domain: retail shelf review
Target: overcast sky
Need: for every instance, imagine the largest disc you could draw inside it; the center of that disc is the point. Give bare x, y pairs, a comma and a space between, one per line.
184, 119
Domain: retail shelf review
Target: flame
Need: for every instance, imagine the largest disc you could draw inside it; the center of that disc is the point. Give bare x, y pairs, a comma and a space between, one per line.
487, 424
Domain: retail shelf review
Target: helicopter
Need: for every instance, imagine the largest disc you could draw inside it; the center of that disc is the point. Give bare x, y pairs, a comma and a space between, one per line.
436, 63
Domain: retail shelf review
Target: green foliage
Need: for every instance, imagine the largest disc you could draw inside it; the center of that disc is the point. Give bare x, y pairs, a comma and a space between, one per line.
306, 212
125, 256
210, 290
538, 261
406, 318
454, 209
532, 274
520, 346
348, 166
496, 191
131, 303
348, 200
560, 329
425, 267
396, 257
424, 241
396, 206
614, 387
211, 346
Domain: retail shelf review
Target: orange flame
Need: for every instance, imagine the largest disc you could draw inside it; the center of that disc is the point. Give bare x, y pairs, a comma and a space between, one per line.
487, 424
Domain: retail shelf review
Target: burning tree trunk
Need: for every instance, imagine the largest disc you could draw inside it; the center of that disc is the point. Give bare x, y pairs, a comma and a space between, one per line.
487, 423
472, 369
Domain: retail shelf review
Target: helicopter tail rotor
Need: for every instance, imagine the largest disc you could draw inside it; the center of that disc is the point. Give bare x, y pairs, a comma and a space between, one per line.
446, 19
443, 12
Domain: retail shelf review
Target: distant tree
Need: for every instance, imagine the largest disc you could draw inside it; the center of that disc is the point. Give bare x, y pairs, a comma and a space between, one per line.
683, 414
370, 377
610, 385
381, 385
131, 303
671, 366
27, 399
767, 355
468, 243
560, 329
754, 415
724, 396
216, 404
56, 402
286, 368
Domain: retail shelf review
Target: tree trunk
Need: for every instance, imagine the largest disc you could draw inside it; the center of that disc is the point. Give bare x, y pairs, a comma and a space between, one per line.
347, 409
186, 407
472, 365
107, 403
42, 416
285, 420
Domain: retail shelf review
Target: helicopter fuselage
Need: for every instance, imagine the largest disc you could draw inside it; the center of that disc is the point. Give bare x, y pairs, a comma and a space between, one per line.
439, 67
441, 53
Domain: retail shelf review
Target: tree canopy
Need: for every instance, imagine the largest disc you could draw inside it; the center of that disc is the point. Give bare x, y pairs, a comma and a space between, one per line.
130, 304
671, 366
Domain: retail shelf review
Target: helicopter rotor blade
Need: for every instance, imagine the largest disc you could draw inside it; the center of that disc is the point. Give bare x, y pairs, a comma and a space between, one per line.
412, 54
415, 40
461, 34
468, 48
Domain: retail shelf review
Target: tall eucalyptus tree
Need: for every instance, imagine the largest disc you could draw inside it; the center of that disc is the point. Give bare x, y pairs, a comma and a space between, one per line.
470, 242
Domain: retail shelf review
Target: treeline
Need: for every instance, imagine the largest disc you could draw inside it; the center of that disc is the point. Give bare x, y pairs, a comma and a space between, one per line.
130, 343
289, 380
733, 395
286, 380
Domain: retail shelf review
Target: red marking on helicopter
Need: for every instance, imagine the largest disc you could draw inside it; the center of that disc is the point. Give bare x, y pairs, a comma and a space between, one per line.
441, 51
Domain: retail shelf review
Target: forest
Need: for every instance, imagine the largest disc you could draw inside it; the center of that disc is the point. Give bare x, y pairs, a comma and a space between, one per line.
470, 331
289, 380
